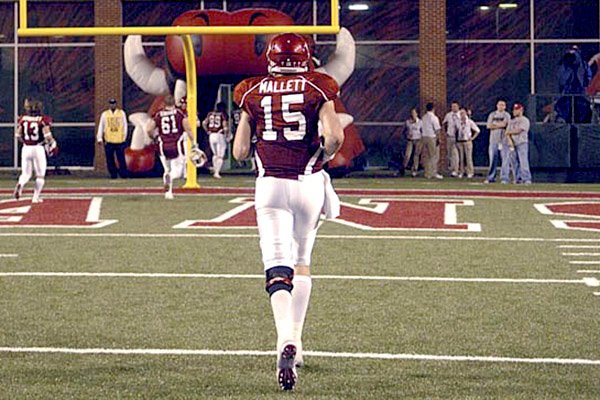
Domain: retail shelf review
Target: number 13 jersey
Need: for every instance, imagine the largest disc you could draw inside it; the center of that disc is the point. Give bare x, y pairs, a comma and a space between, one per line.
284, 113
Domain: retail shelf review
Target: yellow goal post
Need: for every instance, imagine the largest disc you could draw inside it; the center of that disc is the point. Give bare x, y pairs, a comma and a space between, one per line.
185, 32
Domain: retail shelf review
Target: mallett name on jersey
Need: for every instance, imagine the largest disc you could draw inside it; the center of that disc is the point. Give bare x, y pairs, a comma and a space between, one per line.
292, 85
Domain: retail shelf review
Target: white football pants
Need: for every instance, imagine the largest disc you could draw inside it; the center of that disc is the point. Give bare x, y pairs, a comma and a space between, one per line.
287, 214
175, 167
33, 158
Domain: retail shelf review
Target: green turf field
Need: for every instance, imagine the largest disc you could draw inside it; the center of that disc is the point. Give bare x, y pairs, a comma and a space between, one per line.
139, 309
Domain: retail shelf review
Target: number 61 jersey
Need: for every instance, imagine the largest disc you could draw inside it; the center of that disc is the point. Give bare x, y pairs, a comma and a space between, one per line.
284, 113
169, 123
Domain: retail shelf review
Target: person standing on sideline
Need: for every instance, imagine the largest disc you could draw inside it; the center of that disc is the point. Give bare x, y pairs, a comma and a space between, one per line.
112, 131
284, 110
431, 139
414, 131
467, 132
451, 122
517, 133
497, 122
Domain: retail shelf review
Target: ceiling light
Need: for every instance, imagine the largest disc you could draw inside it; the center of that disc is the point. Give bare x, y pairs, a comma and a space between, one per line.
508, 5
484, 8
358, 7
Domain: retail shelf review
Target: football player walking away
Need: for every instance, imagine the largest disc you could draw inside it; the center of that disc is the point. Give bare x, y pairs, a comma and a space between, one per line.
170, 127
283, 110
35, 134
215, 125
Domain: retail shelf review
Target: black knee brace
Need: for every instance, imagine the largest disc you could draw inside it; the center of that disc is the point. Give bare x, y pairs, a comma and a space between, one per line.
279, 278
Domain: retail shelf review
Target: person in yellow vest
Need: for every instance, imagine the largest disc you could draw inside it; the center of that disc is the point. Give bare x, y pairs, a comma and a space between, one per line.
112, 131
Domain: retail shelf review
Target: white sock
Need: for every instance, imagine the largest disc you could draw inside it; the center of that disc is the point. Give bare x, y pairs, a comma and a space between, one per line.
217, 164
300, 300
281, 303
23, 179
37, 190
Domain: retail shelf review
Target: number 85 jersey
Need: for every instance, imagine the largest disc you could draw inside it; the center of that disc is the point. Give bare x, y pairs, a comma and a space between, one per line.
284, 113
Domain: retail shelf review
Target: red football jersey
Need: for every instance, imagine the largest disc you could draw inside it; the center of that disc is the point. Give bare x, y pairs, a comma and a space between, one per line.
215, 122
169, 123
32, 128
285, 112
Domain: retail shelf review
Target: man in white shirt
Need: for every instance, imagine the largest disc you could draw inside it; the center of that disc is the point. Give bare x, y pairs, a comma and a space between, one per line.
496, 123
112, 131
467, 131
451, 122
430, 139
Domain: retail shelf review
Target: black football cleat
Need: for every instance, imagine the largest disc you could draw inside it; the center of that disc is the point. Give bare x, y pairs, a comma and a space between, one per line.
286, 369
17, 192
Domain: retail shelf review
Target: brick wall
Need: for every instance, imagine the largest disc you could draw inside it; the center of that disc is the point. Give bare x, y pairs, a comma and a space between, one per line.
108, 65
432, 61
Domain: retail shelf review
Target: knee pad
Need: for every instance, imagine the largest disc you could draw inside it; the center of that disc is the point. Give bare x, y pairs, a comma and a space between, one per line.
279, 278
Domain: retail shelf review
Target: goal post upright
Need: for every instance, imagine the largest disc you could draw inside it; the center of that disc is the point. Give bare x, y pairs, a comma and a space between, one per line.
191, 180
190, 58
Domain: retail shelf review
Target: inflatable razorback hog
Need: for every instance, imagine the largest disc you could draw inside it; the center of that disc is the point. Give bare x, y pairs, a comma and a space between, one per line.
223, 59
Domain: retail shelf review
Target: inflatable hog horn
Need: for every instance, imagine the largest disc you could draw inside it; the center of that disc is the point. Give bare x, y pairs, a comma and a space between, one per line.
141, 69
341, 63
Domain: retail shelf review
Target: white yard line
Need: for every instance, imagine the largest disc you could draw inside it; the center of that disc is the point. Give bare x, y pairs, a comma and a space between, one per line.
588, 271
576, 246
326, 236
322, 354
8, 255
258, 276
585, 262
581, 254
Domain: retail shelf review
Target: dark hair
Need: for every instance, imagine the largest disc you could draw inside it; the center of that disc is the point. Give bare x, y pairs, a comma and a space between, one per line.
429, 107
221, 106
455, 102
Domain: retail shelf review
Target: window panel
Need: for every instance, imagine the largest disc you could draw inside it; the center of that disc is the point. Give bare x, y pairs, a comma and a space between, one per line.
7, 25
384, 20
62, 78
467, 20
152, 13
7, 84
566, 19
385, 82
7, 147
478, 74
76, 147
60, 14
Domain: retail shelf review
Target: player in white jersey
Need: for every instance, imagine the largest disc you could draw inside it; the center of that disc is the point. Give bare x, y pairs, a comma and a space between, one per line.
35, 134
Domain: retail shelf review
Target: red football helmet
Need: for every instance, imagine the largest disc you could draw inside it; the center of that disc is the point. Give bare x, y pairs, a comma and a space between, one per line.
288, 53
